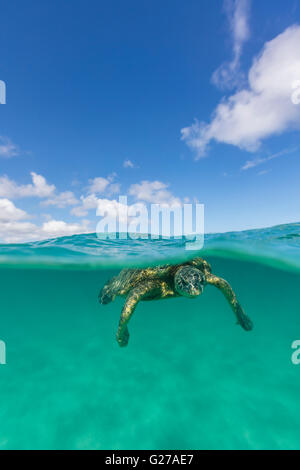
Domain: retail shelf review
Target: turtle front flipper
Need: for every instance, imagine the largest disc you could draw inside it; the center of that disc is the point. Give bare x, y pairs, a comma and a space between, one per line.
142, 290
226, 289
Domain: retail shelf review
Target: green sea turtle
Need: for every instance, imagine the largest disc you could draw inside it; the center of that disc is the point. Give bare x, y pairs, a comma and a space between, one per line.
161, 282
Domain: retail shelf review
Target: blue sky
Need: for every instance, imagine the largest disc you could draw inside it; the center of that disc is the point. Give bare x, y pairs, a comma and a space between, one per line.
93, 84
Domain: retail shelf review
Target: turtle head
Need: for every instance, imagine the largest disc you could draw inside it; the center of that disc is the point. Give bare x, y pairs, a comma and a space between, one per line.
189, 281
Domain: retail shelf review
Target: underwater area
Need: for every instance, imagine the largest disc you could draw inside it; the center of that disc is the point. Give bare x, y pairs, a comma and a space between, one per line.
190, 378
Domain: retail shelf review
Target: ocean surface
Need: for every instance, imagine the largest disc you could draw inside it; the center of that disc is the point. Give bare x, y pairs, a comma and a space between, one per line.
190, 378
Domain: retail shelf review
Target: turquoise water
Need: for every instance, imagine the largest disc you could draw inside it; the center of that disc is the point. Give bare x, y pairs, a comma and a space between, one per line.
189, 379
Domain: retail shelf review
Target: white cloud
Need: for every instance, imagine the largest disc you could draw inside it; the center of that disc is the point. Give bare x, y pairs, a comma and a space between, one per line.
8, 148
38, 188
13, 231
100, 185
9, 212
114, 188
59, 228
113, 208
263, 172
258, 161
87, 203
61, 200
264, 108
109, 206
128, 164
237, 11
154, 192
17, 232
14, 228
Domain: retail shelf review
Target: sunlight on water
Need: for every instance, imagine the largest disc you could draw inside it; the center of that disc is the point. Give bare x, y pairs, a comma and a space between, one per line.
189, 379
